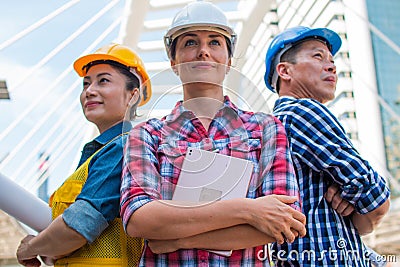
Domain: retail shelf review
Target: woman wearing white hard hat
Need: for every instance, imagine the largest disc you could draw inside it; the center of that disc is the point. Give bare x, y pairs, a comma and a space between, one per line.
200, 44
86, 229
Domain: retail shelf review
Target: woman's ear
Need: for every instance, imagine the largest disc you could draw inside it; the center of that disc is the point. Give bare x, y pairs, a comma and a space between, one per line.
134, 96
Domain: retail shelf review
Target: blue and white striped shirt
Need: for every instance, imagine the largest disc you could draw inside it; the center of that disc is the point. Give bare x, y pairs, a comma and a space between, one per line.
323, 155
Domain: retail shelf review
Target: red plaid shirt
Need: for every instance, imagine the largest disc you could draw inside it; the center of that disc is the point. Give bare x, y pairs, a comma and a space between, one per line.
155, 152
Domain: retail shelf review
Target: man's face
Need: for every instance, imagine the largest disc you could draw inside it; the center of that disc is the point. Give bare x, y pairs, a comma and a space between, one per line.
314, 73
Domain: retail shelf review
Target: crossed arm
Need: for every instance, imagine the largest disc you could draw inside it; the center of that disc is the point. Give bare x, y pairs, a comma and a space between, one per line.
364, 223
356, 183
246, 235
232, 238
223, 225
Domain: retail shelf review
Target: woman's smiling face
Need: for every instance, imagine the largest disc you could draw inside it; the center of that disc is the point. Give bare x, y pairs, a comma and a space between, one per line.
104, 97
201, 56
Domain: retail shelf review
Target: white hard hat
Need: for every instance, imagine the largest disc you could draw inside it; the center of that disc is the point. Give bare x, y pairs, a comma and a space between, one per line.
199, 16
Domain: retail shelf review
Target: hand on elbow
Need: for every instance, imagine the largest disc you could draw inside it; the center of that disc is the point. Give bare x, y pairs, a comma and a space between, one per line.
340, 205
277, 219
163, 246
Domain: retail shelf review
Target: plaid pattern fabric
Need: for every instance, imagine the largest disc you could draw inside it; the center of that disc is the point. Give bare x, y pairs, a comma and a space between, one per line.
155, 152
322, 155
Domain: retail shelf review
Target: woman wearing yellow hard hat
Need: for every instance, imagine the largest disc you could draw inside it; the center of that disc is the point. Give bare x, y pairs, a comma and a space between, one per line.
86, 228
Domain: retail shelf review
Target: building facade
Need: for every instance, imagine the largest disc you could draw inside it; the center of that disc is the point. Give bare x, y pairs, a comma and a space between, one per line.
386, 51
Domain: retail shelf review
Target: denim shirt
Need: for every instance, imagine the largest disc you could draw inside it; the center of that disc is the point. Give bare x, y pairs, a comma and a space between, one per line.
98, 202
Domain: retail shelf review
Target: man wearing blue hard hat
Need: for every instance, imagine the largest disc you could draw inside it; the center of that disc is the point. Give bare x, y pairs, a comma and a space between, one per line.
343, 196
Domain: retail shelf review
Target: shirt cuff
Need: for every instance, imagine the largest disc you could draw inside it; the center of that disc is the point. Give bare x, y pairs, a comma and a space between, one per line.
369, 198
86, 220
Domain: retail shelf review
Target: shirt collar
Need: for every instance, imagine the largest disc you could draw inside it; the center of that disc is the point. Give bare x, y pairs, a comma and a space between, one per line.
180, 110
287, 97
112, 132
284, 99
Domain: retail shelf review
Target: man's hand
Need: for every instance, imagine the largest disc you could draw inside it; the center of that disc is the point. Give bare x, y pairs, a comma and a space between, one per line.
341, 206
273, 216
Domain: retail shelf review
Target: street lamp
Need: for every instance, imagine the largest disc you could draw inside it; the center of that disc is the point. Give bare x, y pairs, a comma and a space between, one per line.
4, 94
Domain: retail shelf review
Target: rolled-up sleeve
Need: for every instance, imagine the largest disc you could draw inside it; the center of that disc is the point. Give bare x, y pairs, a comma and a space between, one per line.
366, 196
140, 177
85, 219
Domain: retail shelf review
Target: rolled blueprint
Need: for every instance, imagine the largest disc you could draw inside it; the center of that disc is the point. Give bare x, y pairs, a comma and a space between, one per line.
23, 206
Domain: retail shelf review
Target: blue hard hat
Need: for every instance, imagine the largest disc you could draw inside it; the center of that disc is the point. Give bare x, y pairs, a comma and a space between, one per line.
286, 39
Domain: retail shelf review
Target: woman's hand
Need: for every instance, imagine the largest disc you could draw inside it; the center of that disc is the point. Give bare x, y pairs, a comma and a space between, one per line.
25, 255
273, 216
163, 246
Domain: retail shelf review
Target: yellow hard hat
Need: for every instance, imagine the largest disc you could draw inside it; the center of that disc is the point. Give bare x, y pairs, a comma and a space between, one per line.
125, 56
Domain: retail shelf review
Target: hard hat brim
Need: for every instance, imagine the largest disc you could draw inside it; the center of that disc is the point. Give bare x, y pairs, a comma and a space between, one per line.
211, 28
330, 36
145, 85
176, 31
81, 62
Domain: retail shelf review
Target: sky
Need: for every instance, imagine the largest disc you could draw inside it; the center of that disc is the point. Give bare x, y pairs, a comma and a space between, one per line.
44, 109
44, 113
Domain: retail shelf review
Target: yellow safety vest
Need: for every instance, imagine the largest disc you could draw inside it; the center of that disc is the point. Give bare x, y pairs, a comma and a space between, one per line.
112, 248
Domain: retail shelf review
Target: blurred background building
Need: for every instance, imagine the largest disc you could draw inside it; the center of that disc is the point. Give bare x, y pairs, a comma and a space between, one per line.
39, 104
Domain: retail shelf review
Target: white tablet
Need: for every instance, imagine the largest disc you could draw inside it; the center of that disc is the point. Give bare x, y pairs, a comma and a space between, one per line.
208, 176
